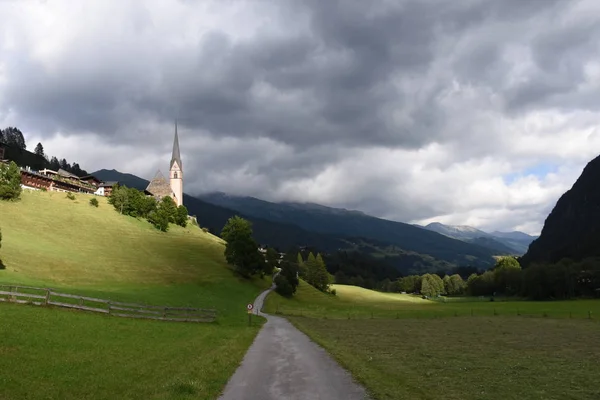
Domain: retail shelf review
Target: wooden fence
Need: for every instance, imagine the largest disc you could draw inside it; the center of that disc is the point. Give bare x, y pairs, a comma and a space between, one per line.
47, 297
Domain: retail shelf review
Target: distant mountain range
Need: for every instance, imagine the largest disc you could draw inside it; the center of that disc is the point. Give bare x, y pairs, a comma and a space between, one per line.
408, 248
505, 243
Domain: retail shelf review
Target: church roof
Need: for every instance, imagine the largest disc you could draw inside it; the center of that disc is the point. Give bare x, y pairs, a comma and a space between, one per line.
159, 186
176, 154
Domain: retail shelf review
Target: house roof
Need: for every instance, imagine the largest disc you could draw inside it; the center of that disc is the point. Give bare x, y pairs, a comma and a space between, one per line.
159, 186
67, 174
108, 184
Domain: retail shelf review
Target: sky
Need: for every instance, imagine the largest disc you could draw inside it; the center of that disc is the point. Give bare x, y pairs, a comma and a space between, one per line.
471, 112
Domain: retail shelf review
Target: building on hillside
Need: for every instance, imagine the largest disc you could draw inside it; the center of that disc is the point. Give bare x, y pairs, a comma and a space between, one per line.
105, 188
92, 180
159, 187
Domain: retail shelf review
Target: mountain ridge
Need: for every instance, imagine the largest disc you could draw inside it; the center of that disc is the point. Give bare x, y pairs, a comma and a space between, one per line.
571, 230
509, 243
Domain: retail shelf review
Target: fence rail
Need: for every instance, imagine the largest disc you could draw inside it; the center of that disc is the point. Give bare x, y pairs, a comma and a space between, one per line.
48, 297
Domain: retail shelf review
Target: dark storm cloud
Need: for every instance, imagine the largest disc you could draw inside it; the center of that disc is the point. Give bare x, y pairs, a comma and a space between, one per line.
308, 87
339, 75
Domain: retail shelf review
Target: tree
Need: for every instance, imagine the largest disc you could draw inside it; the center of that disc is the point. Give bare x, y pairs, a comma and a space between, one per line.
507, 276
287, 280
241, 250
64, 164
10, 181
54, 164
14, 137
39, 150
168, 204
271, 260
181, 216
160, 219
76, 170
446, 281
431, 285
456, 285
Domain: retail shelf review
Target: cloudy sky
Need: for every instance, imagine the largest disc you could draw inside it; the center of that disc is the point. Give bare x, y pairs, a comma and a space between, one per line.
465, 112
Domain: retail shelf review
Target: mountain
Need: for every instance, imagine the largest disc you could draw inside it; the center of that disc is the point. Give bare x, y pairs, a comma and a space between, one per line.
355, 224
504, 243
214, 218
460, 232
572, 230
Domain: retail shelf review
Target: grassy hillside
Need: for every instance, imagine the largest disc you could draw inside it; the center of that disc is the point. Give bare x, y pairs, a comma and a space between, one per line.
51, 241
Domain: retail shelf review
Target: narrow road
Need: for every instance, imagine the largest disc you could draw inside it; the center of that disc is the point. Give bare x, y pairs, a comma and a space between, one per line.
284, 364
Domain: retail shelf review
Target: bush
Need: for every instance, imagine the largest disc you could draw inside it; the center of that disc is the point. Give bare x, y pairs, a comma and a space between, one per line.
333, 292
284, 287
70, 196
205, 230
94, 202
43, 189
1, 265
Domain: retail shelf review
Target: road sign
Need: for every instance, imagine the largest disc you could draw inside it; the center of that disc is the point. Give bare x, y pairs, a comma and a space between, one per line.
249, 306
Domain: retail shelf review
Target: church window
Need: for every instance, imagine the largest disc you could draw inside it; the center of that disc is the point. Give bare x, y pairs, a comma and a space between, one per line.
175, 175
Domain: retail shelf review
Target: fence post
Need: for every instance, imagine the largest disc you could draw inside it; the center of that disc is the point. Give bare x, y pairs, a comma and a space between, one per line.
47, 296
109, 308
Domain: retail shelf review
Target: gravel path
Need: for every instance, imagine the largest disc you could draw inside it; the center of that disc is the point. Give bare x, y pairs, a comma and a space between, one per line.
283, 363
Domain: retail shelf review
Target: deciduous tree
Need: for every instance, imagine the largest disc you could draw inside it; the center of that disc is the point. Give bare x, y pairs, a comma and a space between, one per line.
10, 181
241, 250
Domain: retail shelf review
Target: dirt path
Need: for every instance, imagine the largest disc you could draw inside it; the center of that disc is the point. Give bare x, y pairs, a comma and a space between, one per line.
284, 364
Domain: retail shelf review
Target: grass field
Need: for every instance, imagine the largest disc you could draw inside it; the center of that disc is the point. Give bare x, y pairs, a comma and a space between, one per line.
358, 303
401, 346
485, 358
51, 241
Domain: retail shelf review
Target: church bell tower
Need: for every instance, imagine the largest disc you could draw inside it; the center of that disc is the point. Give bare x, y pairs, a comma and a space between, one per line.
176, 171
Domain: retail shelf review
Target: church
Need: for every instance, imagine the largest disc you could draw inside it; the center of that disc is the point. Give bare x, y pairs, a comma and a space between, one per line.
159, 187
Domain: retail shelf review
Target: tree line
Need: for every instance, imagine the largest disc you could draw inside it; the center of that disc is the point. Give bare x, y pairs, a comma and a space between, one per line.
135, 203
13, 136
563, 280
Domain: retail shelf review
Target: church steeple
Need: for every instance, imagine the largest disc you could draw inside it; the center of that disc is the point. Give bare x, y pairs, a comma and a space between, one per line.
176, 171
176, 154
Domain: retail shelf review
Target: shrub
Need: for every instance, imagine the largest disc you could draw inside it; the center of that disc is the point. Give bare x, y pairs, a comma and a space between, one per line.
333, 292
43, 189
94, 202
70, 196
284, 287
205, 230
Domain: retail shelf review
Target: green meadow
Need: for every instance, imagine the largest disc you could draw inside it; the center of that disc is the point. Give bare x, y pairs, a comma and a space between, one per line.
70, 246
401, 346
353, 302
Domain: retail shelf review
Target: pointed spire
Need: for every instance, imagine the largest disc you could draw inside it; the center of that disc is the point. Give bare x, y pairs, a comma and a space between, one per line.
176, 154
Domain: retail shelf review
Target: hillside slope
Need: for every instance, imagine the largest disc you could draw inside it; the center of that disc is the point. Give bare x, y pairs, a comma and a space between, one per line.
70, 246
572, 229
48, 239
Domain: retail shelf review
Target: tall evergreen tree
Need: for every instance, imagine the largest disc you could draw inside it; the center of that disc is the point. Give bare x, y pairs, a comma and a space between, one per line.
54, 164
39, 150
14, 137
